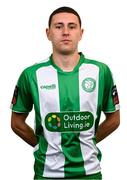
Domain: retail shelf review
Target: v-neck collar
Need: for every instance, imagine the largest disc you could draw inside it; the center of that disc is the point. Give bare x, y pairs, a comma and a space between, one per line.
81, 60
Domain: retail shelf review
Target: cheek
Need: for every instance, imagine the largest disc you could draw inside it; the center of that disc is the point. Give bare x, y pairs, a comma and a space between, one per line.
77, 38
54, 41
55, 37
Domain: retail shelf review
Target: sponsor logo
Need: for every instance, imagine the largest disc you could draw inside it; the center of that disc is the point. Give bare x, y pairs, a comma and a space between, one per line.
69, 121
48, 87
53, 121
89, 84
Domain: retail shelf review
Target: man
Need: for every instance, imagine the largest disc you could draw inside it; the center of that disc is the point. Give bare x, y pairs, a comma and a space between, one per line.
68, 92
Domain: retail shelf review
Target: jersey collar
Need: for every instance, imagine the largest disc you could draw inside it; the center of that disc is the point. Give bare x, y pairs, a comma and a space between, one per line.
81, 60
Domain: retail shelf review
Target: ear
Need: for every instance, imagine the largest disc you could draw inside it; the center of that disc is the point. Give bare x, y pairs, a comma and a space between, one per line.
81, 33
48, 33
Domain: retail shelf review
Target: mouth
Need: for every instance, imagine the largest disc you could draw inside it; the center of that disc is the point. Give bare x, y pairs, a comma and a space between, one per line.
66, 41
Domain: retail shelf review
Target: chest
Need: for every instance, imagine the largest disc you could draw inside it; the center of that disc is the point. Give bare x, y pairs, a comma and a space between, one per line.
68, 91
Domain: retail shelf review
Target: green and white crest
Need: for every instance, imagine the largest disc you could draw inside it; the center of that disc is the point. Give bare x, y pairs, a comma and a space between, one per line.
89, 84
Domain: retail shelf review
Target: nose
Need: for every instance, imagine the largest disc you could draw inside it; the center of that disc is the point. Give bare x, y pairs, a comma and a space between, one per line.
65, 31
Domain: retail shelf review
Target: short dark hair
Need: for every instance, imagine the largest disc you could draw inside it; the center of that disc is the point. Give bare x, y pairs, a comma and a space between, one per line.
62, 10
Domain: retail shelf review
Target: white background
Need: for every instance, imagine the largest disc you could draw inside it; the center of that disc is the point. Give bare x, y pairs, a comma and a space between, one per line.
23, 42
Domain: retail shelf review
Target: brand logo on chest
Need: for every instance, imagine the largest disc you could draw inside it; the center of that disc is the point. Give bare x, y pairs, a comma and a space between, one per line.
48, 87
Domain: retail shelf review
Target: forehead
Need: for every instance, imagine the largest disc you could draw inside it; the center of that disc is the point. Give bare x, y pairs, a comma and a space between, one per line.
65, 18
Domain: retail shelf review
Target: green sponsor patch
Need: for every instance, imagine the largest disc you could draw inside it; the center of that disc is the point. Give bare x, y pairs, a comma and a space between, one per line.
69, 121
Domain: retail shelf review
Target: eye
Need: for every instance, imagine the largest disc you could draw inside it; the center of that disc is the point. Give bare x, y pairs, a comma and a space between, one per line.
72, 26
58, 26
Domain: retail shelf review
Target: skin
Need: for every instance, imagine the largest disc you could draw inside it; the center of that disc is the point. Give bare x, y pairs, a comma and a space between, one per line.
110, 124
22, 129
64, 33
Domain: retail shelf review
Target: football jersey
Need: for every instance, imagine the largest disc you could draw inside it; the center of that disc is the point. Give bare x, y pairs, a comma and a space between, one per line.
68, 107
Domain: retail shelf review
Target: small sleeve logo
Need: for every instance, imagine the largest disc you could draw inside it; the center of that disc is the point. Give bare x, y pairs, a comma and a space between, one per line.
15, 95
115, 95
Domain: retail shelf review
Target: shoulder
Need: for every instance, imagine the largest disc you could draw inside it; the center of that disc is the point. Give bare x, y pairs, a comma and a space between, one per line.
104, 68
97, 63
93, 62
31, 70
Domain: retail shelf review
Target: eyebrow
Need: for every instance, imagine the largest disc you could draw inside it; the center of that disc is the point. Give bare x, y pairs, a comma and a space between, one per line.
61, 23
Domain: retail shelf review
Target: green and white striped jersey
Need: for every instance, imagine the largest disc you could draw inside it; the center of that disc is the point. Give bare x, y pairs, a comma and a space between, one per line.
67, 107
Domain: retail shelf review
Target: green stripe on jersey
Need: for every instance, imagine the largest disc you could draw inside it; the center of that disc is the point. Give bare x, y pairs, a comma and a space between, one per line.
40, 156
69, 94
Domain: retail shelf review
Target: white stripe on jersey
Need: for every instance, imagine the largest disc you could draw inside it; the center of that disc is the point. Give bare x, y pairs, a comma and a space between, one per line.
54, 156
88, 102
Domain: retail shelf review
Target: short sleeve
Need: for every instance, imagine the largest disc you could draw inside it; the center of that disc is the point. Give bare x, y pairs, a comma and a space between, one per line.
110, 99
22, 100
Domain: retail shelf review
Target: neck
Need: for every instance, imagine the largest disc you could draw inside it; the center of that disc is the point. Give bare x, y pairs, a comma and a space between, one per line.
66, 62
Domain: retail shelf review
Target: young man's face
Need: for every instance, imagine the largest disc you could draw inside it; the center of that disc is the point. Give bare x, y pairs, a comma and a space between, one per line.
64, 33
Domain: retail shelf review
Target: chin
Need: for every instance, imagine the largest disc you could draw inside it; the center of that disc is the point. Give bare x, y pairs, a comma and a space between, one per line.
66, 52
